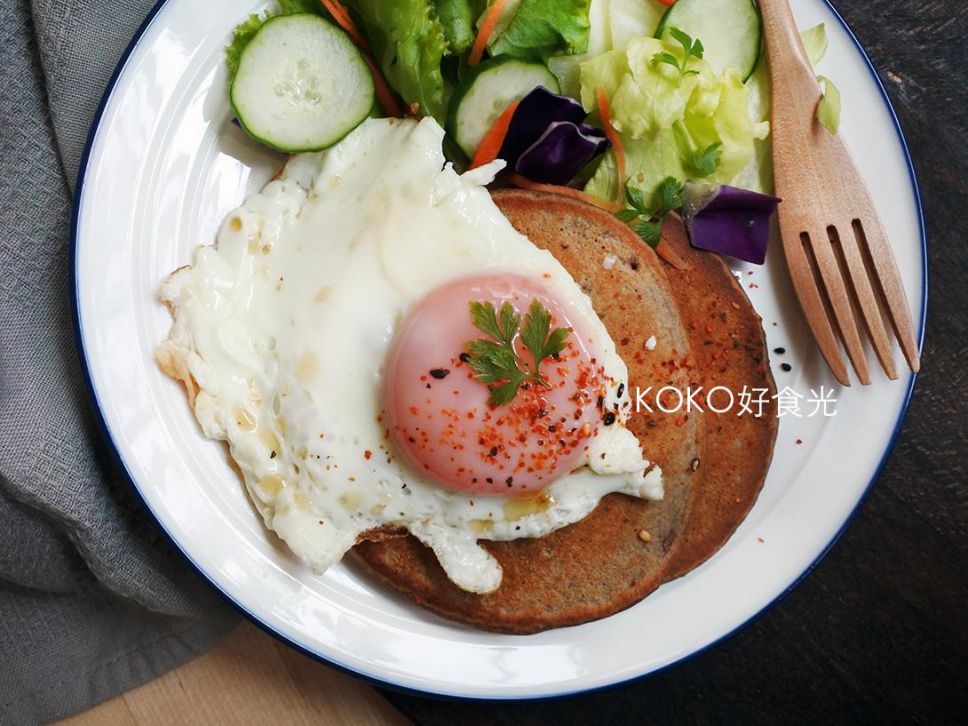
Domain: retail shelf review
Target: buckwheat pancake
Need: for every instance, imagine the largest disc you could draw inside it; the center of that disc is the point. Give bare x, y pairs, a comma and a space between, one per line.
627, 547
728, 349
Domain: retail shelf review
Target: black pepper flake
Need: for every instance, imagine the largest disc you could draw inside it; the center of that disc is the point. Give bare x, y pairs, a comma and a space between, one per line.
493, 451
786, 367
439, 373
552, 428
779, 351
600, 402
272, 454
509, 481
489, 480
465, 357
634, 263
609, 418
620, 391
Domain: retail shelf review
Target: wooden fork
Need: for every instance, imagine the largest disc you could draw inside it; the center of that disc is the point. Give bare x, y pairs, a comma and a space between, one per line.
839, 256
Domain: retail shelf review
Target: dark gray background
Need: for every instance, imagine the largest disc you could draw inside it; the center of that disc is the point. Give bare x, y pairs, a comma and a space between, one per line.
878, 632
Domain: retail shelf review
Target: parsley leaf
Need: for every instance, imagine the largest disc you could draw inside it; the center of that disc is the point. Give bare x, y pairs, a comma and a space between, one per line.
690, 49
670, 195
646, 222
707, 161
536, 336
497, 362
650, 231
634, 197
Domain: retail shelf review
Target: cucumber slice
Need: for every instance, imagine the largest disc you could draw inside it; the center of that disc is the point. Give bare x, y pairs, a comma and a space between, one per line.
301, 84
489, 89
730, 30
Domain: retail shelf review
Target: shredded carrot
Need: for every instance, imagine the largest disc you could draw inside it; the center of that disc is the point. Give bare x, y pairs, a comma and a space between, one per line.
612, 135
667, 3
491, 144
384, 94
484, 34
342, 17
520, 181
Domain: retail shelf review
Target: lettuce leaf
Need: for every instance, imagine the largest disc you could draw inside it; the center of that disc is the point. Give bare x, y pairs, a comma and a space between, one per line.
291, 7
828, 110
815, 43
667, 124
409, 44
457, 20
542, 28
244, 33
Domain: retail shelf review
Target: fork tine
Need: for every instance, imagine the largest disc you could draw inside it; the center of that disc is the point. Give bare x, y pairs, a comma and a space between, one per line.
864, 295
833, 281
811, 300
870, 235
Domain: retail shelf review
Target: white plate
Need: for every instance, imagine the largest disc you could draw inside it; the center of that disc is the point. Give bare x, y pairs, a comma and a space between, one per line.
163, 166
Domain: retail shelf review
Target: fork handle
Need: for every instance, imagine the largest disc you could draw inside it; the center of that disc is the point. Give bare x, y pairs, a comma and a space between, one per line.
793, 77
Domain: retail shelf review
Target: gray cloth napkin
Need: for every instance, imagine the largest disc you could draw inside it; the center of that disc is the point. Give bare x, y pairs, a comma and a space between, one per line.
93, 600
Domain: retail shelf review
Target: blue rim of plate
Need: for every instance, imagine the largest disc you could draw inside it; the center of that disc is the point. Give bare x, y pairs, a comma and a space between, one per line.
120, 465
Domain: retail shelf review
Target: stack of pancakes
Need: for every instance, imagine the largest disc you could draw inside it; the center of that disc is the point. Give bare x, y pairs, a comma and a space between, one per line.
673, 327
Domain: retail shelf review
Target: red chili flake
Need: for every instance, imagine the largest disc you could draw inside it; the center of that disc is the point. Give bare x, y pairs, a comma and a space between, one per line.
367, 454
799, 441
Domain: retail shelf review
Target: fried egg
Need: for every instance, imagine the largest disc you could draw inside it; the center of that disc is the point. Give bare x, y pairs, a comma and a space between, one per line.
324, 339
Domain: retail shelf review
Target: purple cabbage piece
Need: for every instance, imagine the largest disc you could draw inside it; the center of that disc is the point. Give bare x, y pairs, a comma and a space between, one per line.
728, 220
534, 113
561, 152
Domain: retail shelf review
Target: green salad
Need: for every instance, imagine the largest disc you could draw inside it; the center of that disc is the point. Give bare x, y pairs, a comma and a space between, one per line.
632, 105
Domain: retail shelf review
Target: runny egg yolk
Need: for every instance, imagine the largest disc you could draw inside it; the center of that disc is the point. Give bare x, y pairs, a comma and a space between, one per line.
437, 414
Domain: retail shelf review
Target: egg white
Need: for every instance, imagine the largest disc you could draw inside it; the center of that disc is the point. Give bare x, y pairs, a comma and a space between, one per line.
284, 325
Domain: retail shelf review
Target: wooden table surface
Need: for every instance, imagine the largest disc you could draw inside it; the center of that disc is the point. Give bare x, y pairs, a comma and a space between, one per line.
248, 678
878, 632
